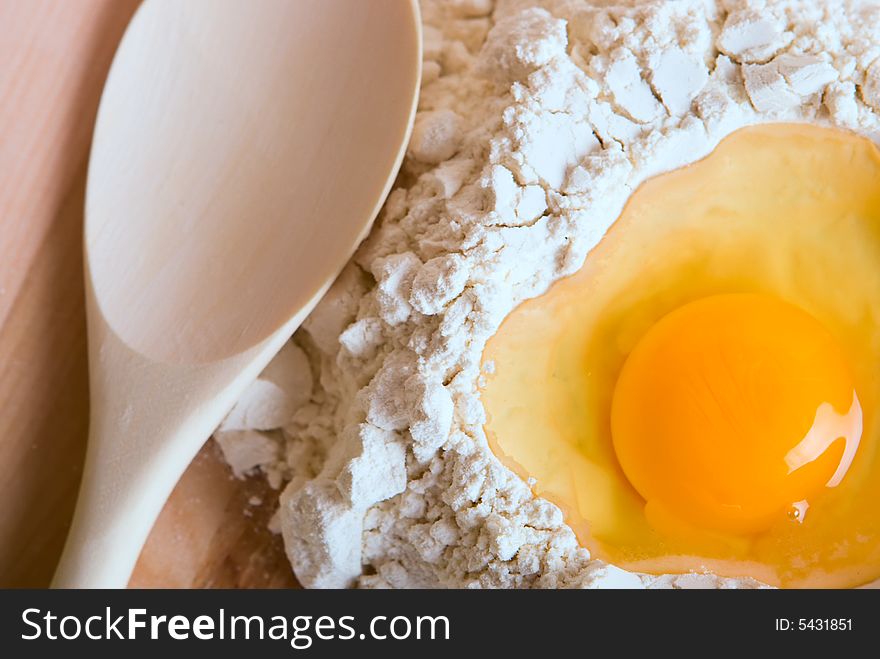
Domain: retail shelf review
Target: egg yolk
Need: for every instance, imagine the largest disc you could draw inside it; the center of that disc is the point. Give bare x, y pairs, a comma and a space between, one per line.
733, 410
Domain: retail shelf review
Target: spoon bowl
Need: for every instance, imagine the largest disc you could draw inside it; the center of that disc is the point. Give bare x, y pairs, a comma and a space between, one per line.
240, 154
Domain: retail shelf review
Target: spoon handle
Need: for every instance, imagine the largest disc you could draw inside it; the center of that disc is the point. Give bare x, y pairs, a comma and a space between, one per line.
129, 472
148, 420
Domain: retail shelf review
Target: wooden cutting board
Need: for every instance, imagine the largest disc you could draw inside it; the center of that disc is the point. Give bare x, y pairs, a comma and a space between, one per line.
54, 57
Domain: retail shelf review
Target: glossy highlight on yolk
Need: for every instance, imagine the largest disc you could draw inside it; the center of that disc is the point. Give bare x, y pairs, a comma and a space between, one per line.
732, 411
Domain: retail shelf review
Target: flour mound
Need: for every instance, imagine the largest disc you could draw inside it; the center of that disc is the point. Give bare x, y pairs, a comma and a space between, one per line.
536, 122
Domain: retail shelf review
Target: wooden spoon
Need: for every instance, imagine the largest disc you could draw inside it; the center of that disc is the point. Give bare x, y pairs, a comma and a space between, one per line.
241, 152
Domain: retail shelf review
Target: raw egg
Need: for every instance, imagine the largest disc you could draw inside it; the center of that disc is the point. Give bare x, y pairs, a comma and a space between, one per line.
702, 394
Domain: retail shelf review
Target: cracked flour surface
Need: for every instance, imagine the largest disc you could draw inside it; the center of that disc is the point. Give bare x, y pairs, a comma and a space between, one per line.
537, 120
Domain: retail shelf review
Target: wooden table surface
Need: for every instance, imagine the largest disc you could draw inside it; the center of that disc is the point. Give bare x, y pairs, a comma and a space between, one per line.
54, 57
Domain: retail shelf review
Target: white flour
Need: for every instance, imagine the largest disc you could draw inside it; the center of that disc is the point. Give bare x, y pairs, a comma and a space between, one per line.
537, 120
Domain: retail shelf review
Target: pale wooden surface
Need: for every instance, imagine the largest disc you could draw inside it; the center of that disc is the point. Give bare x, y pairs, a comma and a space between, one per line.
54, 56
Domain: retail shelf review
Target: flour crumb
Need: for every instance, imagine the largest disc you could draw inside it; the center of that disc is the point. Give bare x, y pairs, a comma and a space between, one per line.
436, 136
284, 386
